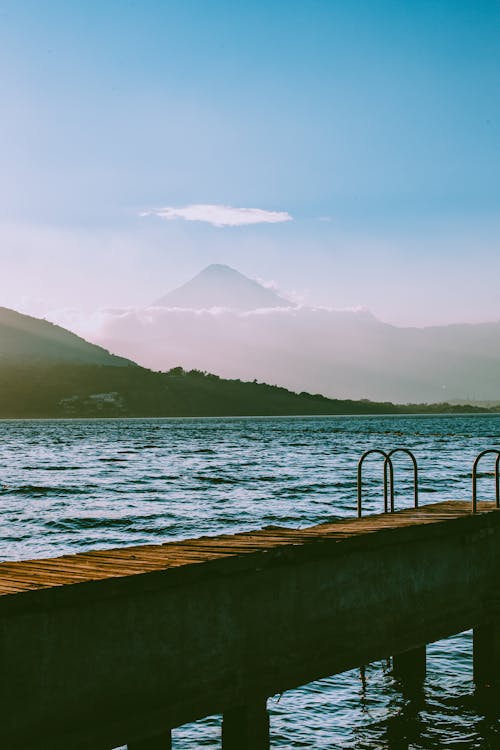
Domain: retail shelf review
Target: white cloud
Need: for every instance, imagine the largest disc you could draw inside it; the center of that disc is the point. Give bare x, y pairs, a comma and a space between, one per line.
219, 215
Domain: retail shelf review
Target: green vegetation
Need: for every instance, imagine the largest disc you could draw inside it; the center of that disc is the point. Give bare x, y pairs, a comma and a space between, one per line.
25, 340
75, 390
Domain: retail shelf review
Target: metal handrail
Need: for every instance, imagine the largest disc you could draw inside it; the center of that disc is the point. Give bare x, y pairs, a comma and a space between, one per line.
387, 462
497, 478
415, 473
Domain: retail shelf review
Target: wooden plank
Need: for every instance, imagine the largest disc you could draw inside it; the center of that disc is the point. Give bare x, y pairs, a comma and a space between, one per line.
95, 565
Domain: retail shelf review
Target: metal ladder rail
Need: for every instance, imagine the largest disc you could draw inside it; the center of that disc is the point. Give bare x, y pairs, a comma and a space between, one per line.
387, 462
409, 453
497, 477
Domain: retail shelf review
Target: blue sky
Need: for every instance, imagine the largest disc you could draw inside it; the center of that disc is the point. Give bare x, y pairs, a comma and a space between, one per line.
374, 125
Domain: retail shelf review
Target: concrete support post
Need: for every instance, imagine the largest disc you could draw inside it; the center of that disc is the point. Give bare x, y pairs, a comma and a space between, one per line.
246, 727
487, 654
410, 667
158, 742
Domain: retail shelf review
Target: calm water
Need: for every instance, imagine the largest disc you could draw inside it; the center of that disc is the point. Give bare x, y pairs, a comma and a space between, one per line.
67, 486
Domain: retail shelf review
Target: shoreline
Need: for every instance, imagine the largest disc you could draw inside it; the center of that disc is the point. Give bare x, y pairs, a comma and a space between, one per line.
229, 417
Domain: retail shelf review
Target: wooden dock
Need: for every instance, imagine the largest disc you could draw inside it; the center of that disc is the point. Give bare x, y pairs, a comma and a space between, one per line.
115, 647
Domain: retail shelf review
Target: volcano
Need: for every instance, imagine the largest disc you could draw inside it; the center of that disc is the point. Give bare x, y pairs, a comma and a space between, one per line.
222, 286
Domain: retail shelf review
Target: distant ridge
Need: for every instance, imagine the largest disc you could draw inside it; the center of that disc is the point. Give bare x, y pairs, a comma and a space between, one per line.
69, 390
27, 340
222, 286
46, 371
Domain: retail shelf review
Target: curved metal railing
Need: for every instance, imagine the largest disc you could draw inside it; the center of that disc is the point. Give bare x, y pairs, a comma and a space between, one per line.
387, 463
409, 453
497, 477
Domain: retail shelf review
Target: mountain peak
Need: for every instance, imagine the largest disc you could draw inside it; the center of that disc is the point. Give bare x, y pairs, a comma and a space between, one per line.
219, 285
218, 268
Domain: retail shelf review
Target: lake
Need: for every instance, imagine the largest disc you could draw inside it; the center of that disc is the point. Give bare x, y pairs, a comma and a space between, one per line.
72, 485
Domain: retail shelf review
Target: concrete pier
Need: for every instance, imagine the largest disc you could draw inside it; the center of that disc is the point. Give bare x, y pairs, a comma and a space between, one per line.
246, 727
487, 654
159, 742
409, 667
116, 647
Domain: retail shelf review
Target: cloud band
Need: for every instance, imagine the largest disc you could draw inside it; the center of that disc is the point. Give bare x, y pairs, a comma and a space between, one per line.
220, 215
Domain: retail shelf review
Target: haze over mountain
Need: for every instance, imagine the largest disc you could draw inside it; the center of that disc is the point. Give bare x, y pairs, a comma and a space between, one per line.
221, 286
46, 371
224, 323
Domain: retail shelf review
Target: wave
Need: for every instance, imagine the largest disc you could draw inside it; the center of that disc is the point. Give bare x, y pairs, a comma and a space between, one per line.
37, 489
90, 523
52, 468
217, 480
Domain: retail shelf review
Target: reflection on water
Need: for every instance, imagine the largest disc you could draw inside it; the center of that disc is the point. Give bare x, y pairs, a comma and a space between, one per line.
66, 486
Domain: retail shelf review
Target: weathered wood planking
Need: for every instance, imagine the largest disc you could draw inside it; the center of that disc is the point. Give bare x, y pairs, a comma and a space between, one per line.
85, 567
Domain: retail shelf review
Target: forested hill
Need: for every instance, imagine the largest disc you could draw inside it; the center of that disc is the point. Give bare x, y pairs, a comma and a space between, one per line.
68, 390
32, 341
